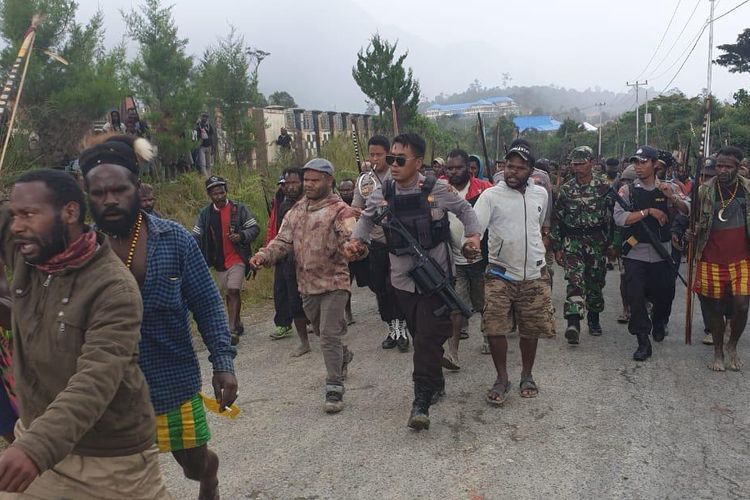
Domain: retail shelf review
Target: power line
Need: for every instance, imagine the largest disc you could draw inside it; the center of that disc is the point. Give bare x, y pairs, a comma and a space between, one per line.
692, 43
663, 36
731, 10
679, 36
697, 40
685, 60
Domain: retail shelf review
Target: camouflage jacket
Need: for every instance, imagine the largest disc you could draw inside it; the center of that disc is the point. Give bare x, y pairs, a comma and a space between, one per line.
582, 211
705, 214
316, 231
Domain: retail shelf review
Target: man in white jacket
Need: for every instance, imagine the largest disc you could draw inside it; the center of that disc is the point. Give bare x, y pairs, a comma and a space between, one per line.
514, 211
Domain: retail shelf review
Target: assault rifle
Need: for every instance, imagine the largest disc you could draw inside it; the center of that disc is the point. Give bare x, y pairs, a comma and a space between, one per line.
652, 237
426, 273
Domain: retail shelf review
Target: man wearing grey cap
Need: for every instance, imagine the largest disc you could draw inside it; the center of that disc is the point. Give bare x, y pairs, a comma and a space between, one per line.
316, 228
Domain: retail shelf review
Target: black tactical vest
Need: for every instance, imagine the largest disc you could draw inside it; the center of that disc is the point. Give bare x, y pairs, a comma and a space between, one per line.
641, 200
414, 211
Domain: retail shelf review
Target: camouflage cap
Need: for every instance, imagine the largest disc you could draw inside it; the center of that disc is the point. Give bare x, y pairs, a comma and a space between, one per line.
581, 154
628, 174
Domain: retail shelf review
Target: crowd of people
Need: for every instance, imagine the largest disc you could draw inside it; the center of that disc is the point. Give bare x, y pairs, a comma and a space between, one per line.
104, 375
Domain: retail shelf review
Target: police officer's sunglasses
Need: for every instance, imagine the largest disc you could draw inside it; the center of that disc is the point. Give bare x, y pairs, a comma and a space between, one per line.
398, 160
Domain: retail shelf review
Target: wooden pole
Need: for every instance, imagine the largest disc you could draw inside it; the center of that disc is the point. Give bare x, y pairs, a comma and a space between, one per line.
25, 50
394, 117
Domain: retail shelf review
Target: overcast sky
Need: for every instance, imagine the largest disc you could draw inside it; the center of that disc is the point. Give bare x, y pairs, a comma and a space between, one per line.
576, 44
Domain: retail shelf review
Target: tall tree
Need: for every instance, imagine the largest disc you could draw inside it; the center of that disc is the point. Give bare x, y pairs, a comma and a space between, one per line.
226, 80
282, 98
736, 56
162, 74
382, 77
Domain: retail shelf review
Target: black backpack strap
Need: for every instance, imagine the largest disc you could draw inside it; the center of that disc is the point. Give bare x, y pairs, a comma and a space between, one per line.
389, 189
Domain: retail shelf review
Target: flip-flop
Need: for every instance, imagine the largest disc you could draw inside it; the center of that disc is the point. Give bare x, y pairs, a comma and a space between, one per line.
528, 384
449, 363
499, 388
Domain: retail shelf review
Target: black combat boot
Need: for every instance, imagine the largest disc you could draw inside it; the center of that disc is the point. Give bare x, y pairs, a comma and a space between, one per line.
420, 410
659, 331
644, 348
390, 340
439, 393
595, 328
573, 331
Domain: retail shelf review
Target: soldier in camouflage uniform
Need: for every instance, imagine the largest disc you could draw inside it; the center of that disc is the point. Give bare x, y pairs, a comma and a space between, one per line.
581, 238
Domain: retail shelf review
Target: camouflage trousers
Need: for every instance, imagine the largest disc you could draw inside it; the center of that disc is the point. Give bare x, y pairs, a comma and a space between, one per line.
585, 271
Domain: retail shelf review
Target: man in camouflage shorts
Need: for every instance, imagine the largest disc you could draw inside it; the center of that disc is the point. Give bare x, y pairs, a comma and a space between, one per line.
581, 238
516, 282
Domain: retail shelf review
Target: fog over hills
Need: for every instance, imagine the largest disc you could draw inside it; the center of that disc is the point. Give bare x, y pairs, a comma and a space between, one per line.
580, 45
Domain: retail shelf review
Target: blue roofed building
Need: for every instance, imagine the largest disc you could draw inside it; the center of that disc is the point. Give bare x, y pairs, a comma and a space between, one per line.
540, 123
498, 105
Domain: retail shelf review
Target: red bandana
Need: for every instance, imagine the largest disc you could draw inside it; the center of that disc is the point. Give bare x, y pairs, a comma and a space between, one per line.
76, 254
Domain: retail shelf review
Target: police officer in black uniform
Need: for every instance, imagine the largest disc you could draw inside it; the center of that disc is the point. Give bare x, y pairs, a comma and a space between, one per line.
420, 203
648, 276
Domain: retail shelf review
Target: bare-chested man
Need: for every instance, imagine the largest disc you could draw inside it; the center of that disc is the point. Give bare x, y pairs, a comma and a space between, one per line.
723, 249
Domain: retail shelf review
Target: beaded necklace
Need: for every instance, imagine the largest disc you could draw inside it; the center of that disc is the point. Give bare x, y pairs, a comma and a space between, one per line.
134, 241
726, 203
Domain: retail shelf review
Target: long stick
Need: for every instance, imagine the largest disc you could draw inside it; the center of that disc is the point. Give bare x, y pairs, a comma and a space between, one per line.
355, 141
24, 51
694, 209
394, 117
497, 142
490, 169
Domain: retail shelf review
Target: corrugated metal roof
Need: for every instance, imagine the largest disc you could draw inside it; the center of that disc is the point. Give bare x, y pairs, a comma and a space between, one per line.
463, 106
542, 123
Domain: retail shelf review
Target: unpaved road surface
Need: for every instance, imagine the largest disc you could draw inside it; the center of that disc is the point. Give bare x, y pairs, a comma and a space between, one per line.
603, 425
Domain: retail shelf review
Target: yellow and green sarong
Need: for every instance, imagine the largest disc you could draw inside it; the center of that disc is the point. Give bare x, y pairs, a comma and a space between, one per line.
183, 428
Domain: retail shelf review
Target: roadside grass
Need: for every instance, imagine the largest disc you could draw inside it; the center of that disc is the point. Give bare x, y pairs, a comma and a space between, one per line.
181, 201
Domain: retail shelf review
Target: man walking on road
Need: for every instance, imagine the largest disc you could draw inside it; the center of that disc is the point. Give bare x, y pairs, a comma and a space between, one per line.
648, 276
421, 204
516, 285
225, 231
174, 280
469, 272
723, 253
380, 265
86, 424
315, 229
286, 297
581, 239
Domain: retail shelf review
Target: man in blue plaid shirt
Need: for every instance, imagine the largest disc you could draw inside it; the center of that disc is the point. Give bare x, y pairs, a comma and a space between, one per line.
174, 280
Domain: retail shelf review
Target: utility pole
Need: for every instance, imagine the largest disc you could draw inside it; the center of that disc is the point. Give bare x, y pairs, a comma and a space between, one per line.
637, 85
600, 105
